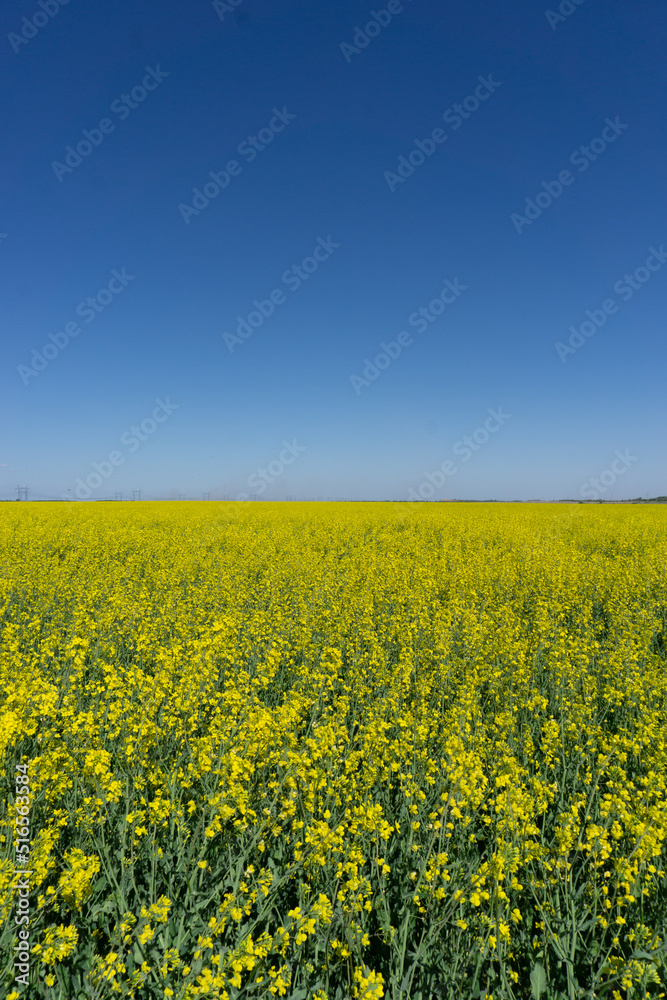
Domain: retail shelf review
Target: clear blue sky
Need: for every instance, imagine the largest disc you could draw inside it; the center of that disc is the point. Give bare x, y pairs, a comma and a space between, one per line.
172, 93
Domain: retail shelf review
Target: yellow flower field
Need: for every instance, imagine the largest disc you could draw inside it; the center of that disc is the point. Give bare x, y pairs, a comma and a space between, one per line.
332, 751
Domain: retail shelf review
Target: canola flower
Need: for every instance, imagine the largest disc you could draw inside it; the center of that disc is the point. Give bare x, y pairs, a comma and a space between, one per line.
336, 751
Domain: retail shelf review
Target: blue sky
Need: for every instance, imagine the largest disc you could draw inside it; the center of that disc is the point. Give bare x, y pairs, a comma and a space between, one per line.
540, 200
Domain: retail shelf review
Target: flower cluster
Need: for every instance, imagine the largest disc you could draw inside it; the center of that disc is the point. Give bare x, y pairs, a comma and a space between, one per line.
345, 750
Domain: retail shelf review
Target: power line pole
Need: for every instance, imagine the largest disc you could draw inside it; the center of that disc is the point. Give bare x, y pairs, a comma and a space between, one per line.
181, 496
136, 494
206, 496
22, 492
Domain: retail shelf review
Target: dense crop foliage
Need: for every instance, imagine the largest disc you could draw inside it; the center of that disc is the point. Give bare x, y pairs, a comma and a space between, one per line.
336, 750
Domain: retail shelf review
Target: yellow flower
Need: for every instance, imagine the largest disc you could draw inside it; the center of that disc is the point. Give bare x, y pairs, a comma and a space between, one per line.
147, 934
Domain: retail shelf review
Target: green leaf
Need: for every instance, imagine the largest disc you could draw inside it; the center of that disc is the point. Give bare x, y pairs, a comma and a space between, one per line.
645, 955
538, 981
